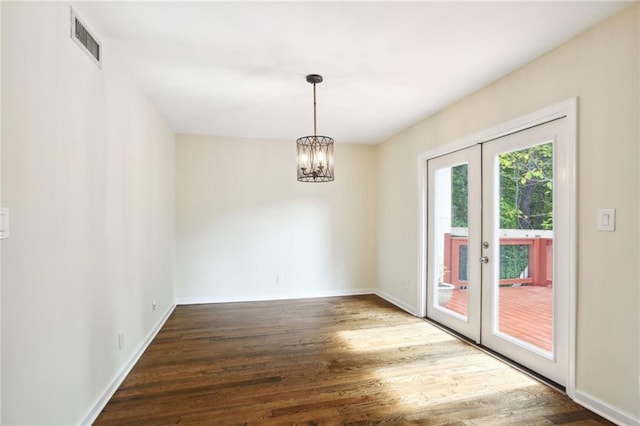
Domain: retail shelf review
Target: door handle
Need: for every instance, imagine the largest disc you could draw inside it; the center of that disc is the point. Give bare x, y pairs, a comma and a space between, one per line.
484, 259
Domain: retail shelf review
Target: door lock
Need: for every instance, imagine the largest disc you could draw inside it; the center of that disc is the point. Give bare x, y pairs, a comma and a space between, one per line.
485, 244
484, 259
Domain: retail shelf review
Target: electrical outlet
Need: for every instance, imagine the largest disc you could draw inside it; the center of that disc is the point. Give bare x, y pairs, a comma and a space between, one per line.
279, 279
121, 341
153, 305
406, 284
4, 223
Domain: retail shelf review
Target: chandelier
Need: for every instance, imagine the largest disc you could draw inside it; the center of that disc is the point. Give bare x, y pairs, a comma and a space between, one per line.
315, 153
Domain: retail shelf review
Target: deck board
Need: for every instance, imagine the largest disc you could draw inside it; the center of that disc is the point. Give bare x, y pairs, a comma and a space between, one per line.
524, 312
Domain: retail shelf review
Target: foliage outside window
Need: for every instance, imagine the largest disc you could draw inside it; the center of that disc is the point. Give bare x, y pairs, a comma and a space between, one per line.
526, 199
526, 188
459, 196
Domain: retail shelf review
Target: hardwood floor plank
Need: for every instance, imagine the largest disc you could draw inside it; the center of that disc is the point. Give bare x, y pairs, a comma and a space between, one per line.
330, 361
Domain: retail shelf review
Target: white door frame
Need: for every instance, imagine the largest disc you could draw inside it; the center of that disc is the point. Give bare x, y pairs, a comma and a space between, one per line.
568, 109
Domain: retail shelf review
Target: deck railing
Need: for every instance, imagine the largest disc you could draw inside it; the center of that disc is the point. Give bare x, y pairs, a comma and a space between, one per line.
538, 271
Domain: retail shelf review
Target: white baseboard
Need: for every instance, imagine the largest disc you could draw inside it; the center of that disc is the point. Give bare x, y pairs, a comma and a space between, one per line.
605, 410
263, 298
108, 392
389, 298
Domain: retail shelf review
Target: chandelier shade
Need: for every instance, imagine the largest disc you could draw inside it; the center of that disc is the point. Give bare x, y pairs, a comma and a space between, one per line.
315, 153
315, 159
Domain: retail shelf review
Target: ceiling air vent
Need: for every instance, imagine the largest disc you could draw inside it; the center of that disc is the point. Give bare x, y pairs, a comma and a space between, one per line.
83, 38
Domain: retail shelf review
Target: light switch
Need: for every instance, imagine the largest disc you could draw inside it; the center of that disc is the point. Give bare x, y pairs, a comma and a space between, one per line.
607, 220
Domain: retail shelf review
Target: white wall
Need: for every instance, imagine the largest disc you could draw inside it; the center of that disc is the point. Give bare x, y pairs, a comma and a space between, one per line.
0, 203
638, 124
88, 172
601, 66
247, 230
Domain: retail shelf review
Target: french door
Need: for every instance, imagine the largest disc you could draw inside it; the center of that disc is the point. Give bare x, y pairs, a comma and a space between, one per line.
454, 238
497, 259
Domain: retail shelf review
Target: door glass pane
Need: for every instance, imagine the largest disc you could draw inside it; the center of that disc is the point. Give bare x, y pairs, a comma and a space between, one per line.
452, 239
525, 283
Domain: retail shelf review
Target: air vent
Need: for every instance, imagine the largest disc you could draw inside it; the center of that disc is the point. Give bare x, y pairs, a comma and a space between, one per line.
83, 38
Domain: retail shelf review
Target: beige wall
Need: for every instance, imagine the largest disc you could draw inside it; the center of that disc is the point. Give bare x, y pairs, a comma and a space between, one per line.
0, 203
247, 230
88, 173
601, 67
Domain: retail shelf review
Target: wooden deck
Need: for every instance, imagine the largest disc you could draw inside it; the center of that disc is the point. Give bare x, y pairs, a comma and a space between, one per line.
345, 360
524, 312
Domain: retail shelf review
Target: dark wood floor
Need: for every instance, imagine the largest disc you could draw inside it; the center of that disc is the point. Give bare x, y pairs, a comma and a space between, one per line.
345, 360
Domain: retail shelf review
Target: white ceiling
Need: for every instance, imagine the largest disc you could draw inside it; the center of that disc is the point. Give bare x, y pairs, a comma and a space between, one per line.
238, 68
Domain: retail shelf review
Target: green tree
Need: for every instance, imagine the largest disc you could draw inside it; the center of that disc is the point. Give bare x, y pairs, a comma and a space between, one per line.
459, 196
526, 200
526, 188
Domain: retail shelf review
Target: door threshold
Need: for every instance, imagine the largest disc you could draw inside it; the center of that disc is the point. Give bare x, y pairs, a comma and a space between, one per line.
534, 375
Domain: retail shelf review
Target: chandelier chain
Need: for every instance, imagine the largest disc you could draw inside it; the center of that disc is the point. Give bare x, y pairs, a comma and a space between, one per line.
315, 133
